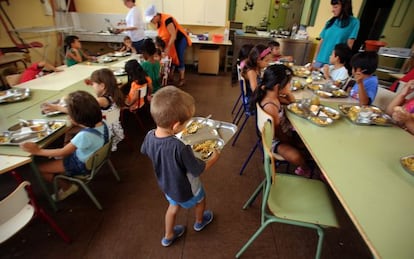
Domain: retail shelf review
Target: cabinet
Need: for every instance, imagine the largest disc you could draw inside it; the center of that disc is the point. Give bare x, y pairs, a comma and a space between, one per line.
200, 12
174, 8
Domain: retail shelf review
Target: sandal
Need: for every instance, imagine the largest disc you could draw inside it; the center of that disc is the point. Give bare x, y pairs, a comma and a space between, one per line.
181, 82
178, 232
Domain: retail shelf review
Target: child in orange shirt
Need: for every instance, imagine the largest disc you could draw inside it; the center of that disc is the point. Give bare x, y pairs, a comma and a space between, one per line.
137, 79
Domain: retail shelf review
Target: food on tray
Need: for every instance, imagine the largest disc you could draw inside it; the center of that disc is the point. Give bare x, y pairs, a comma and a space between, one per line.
319, 121
323, 94
339, 93
331, 113
315, 87
408, 162
206, 146
295, 109
192, 128
37, 127
302, 72
4, 139
56, 125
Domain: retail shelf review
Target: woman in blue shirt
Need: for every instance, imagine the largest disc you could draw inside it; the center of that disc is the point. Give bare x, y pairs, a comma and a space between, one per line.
343, 27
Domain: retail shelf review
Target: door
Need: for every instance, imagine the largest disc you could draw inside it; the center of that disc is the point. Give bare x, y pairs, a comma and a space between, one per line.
215, 12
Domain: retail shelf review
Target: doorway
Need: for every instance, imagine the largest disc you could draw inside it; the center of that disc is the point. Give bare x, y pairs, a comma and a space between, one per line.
373, 17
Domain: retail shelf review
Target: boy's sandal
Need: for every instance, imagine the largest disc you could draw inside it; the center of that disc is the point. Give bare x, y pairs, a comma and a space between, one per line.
181, 82
207, 218
178, 232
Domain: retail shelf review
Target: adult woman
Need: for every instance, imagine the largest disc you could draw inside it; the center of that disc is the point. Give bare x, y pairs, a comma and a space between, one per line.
175, 38
134, 24
343, 27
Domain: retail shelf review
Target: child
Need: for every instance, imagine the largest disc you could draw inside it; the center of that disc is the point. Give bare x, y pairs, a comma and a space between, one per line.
111, 100
401, 108
74, 52
363, 66
160, 46
165, 60
273, 92
338, 71
258, 59
244, 54
127, 47
176, 167
275, 52
137, 78
84, 111
37, 69
151, 66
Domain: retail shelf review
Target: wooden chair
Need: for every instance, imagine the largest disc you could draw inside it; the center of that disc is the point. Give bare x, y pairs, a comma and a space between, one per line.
18, 209
165, 70
95, 162
261, 118
291, 199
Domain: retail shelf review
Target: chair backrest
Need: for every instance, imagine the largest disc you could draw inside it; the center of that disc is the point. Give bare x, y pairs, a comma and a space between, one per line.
99, 158
142, 93
238, 72
269, 161
349, 83
13, 79
383, 98
15, 212
262, 117
165, 70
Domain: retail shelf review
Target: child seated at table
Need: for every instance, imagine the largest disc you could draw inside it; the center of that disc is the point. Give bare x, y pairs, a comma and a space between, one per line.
402, 109
275, 52
127, 46
151, 66
339, 69
364, 64
176, 167
137, 79
37, 69
244, 54
84, 111
74, 52
270, 95
258, 59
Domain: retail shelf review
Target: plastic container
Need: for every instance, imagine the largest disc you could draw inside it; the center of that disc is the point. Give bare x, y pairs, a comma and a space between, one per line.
374, 45
218, 38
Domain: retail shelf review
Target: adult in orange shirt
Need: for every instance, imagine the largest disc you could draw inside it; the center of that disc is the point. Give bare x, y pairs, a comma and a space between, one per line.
174, 35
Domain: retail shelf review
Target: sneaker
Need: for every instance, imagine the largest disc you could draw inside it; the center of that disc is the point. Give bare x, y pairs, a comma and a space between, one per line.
302, 172
181, 82
64, 194
178, 231
207, 218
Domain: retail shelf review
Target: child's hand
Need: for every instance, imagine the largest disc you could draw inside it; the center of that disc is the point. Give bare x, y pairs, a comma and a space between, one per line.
359, 77
400, 114
325, 70
48, 107
30, 147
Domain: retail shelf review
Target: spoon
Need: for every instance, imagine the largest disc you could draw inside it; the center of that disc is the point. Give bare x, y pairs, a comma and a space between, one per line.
207, 118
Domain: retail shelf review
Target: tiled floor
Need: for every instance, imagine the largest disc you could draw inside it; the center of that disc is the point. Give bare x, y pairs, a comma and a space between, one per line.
132, 222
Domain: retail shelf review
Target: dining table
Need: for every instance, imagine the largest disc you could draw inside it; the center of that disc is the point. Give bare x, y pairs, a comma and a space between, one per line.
362, 166
48, 88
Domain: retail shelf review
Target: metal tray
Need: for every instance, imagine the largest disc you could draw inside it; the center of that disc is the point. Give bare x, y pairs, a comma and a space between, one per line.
61, 102
378, 117
120, 72
296, 85
35, 131
407, 163
329, 91
14, 95
207, 129
319, 115
204, 154
119, 54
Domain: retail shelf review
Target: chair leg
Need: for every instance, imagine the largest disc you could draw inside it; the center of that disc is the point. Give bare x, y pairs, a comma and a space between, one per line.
114, 170
254, 195
250, 156
320, 242
240, 130
236, 103
91, 195
250, 241
238, 113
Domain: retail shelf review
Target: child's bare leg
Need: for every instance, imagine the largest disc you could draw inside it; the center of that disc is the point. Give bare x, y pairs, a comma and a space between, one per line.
292, 155
50, 169
170, 217
199, 211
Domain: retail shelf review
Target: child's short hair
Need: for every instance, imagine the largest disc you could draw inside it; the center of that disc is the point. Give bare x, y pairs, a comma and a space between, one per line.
273, 44
70, 39
159, 43
106, 76
367, 61
343, 52
84, 109
148, 47
126, 38
170, 105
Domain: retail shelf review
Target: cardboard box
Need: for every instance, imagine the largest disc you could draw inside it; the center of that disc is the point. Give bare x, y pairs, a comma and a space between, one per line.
209, 60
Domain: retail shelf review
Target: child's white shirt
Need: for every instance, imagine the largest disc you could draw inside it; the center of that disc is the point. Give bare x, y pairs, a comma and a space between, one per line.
339, 74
